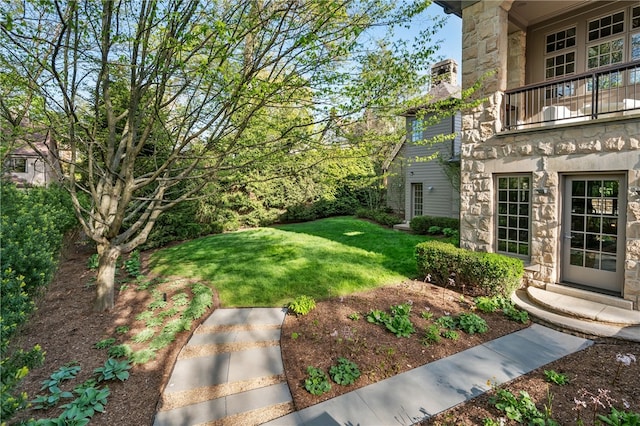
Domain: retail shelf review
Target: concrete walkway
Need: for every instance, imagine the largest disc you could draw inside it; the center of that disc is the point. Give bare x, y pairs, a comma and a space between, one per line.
231, 372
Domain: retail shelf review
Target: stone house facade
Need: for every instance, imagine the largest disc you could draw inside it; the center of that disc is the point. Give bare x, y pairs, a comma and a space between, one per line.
550, 161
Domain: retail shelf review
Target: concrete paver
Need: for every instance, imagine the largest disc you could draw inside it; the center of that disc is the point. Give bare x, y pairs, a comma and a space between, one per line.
400, 400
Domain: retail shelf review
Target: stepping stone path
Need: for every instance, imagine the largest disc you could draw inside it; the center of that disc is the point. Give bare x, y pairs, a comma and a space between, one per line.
230, 372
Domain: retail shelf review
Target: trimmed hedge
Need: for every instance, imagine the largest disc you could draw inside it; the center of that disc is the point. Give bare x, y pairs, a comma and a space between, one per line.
421, 224
378, 216
494, 274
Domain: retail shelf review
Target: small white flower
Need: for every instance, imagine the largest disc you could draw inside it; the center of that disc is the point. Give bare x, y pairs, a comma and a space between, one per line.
579, 403
626, 359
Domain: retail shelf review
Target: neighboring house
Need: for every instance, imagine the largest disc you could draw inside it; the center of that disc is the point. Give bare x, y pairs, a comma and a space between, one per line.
551, 159
417, 187
31, 165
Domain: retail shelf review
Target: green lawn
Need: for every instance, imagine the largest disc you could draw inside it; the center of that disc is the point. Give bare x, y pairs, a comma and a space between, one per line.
271, 266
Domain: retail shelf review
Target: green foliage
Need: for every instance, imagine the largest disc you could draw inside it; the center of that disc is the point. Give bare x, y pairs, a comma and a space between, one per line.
120, 351
317, 382
201, 301
105, 343
144, 336
302, 305
122, 329
32, 225
93, 261
52, 385
552, 376
90, 400
398, 322
471, 323
345, 372
432, 335
433, 225
113, 369
620, 418
492, 273
426, 315
379, 216
354, 316
446, 321
520, 408
509, 309
132, 265
450, 334
434, 230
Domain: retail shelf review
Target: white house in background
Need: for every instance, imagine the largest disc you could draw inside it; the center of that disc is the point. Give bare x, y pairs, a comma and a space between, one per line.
424, 188
31, 165
551, 159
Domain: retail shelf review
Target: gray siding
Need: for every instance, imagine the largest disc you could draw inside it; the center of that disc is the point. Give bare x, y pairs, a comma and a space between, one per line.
440, 197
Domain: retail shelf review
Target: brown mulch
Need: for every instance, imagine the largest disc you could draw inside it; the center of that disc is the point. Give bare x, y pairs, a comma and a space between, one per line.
67, 330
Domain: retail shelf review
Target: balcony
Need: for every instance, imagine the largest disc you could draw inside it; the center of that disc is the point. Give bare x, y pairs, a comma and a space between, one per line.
606, 93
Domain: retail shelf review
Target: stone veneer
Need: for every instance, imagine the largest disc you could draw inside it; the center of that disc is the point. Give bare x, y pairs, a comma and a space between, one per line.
546, 153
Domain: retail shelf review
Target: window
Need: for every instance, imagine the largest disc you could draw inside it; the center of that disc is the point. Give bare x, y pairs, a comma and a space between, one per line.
514, 211
417, 198
559, 61
606, 26
18, 165
606, 53
417, 128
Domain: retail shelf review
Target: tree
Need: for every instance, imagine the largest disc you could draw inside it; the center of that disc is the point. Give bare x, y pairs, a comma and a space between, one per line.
156, 99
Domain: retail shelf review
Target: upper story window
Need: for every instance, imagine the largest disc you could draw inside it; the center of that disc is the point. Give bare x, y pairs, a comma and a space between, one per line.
560, 57
417, 130
606, 26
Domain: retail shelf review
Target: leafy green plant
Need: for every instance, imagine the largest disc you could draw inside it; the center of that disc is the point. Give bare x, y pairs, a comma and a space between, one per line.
446, 321
302, 305
471, 323
122, 329
295, 335
354, 316
81, 409
620, 418
520, 408
432, 335
488, 304
552, 376
450, 334
345, 372
317, 383
377, 316
400, 325
105, 343
52, 386
426, 315
132, 265
119, 351
433, 230
113, 369
515, 314
92, 262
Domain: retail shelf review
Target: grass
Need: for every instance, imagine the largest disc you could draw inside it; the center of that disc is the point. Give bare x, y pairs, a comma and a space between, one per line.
271, 266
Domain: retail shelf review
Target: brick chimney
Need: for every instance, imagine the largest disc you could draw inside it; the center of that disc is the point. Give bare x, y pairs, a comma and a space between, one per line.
444, 72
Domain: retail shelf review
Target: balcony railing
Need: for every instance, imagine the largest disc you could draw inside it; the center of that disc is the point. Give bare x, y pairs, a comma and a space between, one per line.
606, 93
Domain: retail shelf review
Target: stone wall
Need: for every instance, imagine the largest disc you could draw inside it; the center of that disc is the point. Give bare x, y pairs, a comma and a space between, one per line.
546, 153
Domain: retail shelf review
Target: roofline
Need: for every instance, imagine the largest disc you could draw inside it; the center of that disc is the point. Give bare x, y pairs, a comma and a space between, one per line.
454, 6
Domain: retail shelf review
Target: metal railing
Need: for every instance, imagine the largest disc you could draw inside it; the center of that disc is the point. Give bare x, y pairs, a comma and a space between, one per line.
607, 92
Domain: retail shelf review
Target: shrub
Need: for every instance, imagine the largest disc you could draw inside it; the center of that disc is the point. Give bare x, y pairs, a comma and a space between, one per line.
422, 224
493, 274
302, 305
379, 216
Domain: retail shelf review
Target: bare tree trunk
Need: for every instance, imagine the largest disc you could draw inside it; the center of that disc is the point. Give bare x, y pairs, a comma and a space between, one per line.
105, 282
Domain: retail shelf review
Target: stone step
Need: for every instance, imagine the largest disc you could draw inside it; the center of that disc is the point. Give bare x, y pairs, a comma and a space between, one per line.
582, 308
251, 401
572, 324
